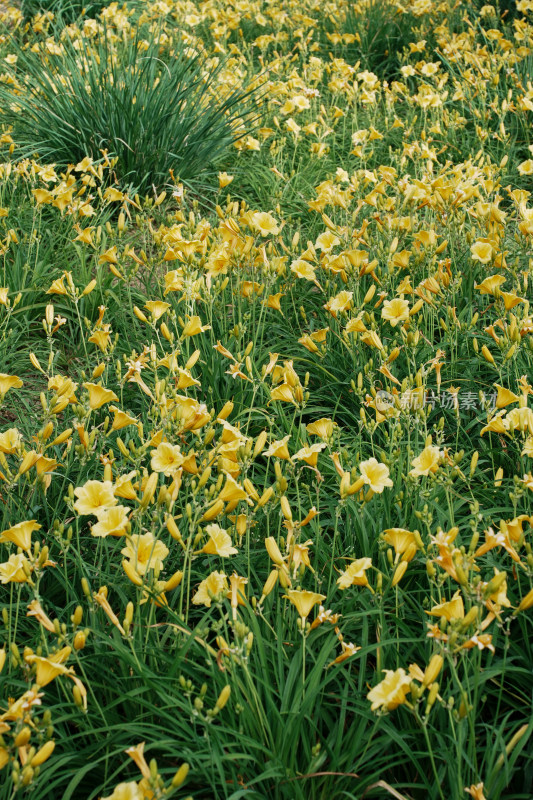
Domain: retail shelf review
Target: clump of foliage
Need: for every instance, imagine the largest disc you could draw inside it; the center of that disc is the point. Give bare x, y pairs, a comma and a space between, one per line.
266, 444
152, 105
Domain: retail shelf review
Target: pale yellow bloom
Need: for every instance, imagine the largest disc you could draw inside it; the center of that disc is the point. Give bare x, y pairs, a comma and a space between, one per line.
279, 449
304, 601
395, 311
219, 542
214, 586
126, 791
391, 692
482, 251
121, 419
94, 496
194, 326
99, 395
156, 308
427, 462
167, 458
355, 574
111, 521
49, 668
8, 382
12, 571
145, 552
10, 441
265, 223
20, 534
375, 475
322, 427
453, 609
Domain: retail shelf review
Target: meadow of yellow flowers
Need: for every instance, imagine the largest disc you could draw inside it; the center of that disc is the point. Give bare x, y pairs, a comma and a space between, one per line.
266, 425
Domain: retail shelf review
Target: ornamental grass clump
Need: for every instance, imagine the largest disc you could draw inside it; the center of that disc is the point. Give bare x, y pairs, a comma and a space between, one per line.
152, 104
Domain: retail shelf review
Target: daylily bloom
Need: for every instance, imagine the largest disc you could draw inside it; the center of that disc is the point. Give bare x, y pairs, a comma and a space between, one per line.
355, 574
375, 475
10, 441
482, 251
8, 382
121, 419
94, 496
395, 311
15, 570
453, 609
99, 395
428, 461
304, 601
111, 521
265, 223
20, 534
49, 668
219, 542
145, 552
391, 692
167, 458
214, 586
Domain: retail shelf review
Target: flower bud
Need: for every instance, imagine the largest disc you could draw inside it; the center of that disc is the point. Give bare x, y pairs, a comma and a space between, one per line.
223, 697
180, 776
433, 669
269, 584
399, 572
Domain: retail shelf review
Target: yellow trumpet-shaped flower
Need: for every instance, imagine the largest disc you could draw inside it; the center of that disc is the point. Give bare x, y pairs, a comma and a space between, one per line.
10, 441
99, 395
219, 542
482, 252
129, 790
111, 521
121, 419
145, 552
355, 574
167, 458
156, 308
232, 491
375, 475
213, 587
8, 382
94, 496
265, 224
453, 609
395, 311
49, 668
15, 570
304, 600
322, 427
20, 534
391, 692
427, 462
194, 326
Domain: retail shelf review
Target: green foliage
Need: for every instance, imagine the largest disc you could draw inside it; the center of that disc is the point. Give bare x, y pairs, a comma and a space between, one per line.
153, 110
381, 31
65, 10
